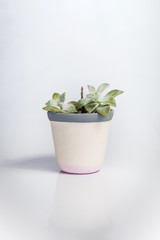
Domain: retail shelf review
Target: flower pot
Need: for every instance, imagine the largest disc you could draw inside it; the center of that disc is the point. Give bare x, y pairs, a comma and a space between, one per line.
80, 140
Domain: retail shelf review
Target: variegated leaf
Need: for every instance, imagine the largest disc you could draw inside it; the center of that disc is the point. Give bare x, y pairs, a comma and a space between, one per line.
52, 109
91, 89
70, 108
91, 107
74, 103
102, 87
114, 93
82, 102
63, 97
56, 96
105, 111
108, 100
52, 103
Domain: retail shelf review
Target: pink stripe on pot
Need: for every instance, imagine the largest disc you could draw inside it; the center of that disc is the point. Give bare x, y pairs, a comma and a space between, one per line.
79, 169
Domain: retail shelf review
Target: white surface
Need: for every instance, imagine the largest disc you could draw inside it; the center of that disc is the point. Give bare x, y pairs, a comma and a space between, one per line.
38, 202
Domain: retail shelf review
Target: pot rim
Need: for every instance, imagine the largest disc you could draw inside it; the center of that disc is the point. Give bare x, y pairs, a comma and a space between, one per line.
79, 117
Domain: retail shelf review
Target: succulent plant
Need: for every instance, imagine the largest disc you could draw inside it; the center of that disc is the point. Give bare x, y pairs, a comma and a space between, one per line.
95, 103
56, 104
92, 103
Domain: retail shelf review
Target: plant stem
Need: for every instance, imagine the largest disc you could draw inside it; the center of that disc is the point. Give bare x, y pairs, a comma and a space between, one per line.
83, 109
81, 92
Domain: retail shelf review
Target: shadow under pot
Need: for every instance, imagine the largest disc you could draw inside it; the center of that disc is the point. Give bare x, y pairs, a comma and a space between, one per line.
80, 140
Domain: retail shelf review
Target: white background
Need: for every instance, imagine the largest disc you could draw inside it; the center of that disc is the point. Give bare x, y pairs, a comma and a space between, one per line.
51, 45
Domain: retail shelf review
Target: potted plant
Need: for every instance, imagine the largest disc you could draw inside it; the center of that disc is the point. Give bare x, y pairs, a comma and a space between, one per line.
80, 128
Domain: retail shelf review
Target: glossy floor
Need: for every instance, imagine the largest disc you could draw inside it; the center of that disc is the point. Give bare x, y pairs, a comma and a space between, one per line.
39, 202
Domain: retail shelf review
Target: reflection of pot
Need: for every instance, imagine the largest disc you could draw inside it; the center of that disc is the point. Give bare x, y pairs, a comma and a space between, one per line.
79, 206
79, 140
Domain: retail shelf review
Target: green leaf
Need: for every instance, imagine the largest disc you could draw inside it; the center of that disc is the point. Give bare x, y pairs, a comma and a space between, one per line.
89, 95
82, 102
91, 89
108, 100
91, 107
102, 87
93, 97
105, 111
70, 108
114, 93
56, 96
52, 103
73, 103
52, 109
63, 97
60, 104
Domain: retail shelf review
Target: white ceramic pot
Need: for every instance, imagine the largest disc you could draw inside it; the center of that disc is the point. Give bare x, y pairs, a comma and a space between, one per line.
80, 140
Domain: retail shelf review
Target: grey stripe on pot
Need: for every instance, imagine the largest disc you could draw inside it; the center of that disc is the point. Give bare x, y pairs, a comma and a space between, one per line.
78, 117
